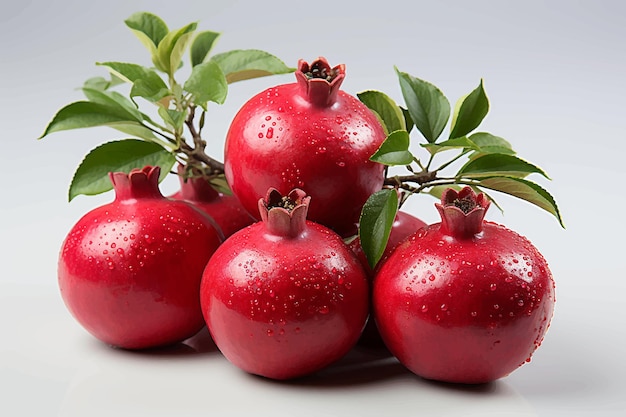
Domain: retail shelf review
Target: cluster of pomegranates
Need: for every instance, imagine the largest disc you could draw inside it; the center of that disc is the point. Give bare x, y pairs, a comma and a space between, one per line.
273, 272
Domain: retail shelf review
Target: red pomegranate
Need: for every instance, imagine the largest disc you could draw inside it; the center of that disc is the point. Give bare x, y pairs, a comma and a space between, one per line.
226, 210
309, 135
464, 300
130, 271
284, 297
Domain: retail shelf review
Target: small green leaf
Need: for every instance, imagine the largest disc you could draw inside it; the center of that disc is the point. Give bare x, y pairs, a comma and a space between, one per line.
489, 143
498, 164
149, 28
394, 150
245, 64
408, 122
202, 45
375, 223
383, 105
174, 118
525, 190
456, 143
207, 83
428, 107
469, 112
221, 185
151, 87
83, 114
92, 175
172, 48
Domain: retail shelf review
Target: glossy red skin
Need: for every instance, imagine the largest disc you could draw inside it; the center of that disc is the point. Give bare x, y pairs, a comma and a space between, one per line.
403, 226
464, 310
284, 307
280, 139
130, 271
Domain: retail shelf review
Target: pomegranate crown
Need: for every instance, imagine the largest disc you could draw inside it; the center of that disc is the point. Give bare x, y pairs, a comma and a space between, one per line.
318, 82
138, 183
285, 215
462, 212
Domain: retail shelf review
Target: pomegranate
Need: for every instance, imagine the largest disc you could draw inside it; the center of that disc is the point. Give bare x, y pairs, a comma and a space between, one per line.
403, 226
226, 210
464, 300
130, 270
284, 297
309, 135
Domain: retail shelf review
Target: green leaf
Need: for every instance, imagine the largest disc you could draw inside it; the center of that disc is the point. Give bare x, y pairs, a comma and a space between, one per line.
113, 99
383, 105
489, 143
375, 224
135, 129
469, 111
394, 150
456, 143
92, 175
83, 114
245, 64
207, 83
174, 118
151, 87
202, 45
408, 122
220, 184
525, 190
127, 71
172, 48
149, 28
428, 107
498, 164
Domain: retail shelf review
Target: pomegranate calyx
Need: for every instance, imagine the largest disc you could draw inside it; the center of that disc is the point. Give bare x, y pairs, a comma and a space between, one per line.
138, 183
319, 82
462, 212
284, 215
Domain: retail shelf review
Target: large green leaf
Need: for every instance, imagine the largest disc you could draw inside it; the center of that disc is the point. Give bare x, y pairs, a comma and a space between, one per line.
127, 71
150, 29
386, 108
469, 112
202, 45
498, 164
92, 175
113, 99
525, 190
245, 64
428, 106
207, 83
394, 150
83, 114
375, 224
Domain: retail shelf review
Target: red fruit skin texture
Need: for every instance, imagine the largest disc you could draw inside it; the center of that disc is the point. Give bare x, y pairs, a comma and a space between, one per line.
226, 210
468, 308
130, 271
403, 226
285, 138
281, 306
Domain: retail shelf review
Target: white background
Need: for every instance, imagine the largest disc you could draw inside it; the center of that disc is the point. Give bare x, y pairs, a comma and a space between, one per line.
554, 73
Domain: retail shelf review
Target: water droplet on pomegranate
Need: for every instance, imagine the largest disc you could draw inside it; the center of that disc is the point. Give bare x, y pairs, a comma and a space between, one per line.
341, 164
270, 133
324, 310
493, 287
473, 314
270, 332
424, 308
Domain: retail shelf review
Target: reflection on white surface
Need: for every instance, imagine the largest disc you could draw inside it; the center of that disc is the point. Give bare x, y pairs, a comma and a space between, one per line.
195, 379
